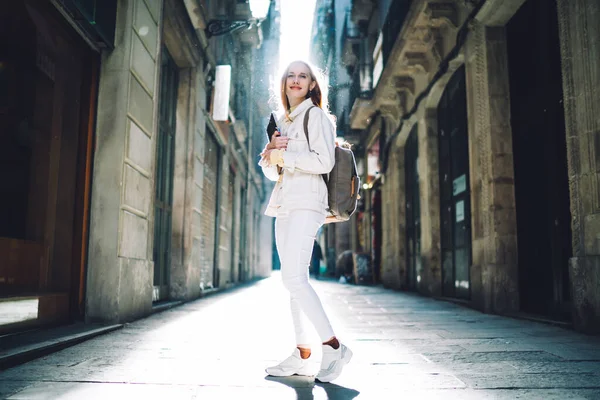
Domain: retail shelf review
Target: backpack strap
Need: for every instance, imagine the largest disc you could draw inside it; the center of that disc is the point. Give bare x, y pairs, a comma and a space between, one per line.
325, 177
306, 126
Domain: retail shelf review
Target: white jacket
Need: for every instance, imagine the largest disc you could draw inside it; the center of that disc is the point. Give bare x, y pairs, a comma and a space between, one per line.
302, 186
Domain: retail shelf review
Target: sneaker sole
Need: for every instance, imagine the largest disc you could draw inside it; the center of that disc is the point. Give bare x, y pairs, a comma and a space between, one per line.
282, 374
339, 367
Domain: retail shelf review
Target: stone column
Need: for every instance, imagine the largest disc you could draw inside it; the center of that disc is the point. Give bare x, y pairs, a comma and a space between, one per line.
393, 251
181, 43
183, 282
580, 49
224, 234
429, 175
195, 276
494, 271
120, 266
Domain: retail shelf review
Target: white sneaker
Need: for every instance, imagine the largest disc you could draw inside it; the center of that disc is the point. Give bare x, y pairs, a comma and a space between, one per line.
333, 362
293, 365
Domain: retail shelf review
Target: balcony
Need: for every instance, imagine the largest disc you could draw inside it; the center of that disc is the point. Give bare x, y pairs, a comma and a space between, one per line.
361, 93
392, 26
361, 10
323, 32
350, 42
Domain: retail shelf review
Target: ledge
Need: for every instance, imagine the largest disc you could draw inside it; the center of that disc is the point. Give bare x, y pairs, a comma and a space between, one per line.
19, 348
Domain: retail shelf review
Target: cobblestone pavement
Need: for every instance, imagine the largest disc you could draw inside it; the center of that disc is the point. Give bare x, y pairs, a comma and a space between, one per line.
405, 347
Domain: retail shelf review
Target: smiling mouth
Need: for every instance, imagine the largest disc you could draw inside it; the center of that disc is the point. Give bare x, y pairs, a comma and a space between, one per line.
295, 87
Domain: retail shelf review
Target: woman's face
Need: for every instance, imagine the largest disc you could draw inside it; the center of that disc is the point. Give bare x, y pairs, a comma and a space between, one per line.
298, 83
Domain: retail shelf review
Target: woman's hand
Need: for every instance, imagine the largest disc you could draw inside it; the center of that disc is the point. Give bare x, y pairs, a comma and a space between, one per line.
266, 155
278, 142
272, 157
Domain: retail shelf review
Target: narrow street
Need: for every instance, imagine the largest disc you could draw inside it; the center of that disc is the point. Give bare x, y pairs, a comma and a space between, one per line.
405, 346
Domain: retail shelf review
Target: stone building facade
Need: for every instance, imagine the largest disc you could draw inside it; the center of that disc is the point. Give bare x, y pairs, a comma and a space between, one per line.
166, 202
325, 54
477, 122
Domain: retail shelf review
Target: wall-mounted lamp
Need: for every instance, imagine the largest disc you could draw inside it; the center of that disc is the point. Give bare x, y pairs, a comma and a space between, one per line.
259, 10
217, 27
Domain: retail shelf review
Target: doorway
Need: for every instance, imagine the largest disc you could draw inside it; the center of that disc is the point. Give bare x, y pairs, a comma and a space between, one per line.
376, 233
413, 209
233, 225
455, 194
540, 159
165, 167
48, 81
210, 210
244, 232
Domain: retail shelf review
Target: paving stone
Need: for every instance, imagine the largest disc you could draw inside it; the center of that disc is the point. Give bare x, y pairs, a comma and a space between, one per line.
480, 333
570, 352
9, 387
493, 356
582, 394
530, 381
93, 391
536, 394
405, 346
429, 349
553, 367
497, 345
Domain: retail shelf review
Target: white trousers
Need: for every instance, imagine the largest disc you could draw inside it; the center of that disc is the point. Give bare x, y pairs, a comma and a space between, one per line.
295, 234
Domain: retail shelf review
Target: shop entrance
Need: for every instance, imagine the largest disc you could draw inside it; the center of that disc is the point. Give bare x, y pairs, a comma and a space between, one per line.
455, 194
540, 159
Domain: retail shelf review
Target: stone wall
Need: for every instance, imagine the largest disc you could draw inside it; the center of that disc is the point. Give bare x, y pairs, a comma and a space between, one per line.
120, 263
120, 267
580, 50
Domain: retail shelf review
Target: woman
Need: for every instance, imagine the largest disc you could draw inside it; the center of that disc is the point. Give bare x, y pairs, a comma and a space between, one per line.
299, 203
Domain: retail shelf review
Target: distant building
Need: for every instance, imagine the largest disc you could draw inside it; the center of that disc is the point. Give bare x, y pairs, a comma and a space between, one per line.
327, 52
477, 123
120, 191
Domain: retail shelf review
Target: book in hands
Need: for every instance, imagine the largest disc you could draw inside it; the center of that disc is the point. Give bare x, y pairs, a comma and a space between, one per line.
272, 127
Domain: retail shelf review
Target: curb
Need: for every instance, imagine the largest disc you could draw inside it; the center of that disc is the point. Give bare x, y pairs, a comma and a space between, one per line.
22, 354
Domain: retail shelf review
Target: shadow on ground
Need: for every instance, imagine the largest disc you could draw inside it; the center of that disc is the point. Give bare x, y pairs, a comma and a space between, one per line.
308, 389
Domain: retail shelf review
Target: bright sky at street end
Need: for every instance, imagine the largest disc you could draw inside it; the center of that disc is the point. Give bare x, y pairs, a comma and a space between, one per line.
296, 29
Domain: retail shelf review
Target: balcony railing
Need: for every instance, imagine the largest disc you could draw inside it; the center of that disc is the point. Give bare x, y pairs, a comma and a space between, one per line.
362, 83
392, 26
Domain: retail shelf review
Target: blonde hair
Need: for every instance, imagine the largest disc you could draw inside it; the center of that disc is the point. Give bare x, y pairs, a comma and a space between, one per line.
318, 94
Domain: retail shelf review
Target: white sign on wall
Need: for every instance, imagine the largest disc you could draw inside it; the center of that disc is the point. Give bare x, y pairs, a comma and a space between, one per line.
460, 211
459, 185
377, 60
222, 92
